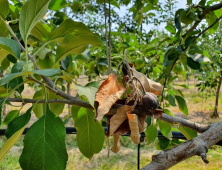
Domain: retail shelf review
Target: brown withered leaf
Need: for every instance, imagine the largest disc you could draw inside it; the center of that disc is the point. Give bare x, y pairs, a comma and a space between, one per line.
116, 143
108, 93
118, 118
158, 113
149, 85
142, 123
133, 123
123, 129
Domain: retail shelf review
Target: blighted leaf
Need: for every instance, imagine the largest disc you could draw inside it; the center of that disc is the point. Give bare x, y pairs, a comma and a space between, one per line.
151, 133
142, 123
119, 118
149, 85
187, 132
116, 143
108, 93
123, 129
133, 123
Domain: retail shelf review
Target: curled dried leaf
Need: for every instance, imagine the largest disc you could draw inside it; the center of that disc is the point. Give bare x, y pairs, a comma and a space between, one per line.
149, 85
142, 123
119, 118
133, 123
116, 143
108, 93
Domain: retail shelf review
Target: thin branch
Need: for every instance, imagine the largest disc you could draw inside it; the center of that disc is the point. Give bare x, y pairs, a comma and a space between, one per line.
171, 119
202, 16
164, 85
216, 21
110, 44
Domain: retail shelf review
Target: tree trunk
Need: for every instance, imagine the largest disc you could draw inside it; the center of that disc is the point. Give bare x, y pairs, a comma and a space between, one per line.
215, 113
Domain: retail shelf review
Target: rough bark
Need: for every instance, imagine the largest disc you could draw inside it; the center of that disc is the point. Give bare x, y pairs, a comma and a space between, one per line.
197, 146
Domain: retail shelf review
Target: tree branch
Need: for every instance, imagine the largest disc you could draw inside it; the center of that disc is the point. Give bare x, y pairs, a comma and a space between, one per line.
197, 146
218, 19
202, 16
171, 119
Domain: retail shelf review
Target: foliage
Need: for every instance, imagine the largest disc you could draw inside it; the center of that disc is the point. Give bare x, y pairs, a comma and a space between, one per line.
43, 47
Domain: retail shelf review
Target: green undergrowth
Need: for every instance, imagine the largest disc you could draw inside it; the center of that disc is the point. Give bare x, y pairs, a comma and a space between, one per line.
125, 159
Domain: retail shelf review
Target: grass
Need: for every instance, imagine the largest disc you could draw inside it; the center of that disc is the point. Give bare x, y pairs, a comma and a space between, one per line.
125, 159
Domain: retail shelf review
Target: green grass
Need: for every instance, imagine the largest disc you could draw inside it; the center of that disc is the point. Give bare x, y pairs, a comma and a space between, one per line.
125, 159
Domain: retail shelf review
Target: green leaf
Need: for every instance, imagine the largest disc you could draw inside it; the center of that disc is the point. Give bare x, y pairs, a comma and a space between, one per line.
163, 142
18, 123
57, 4
182, 105
171, 29
11, 58
56, 108
168, 112
148, 120
10, 76
68, 26
45, 149
187, 132
76, 44
74, 111
189, 41
41, 31
10, 142
151, 134
3, 29
10, 116
8, 46
90, 134
189, 2
171, 100
47, 72
89, 90
4, 9
165, 128
31, 13
193, 64
39, 109
211, 18
81, 57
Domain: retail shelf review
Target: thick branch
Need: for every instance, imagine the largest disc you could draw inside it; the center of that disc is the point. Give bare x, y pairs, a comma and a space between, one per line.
197, 146
202, 16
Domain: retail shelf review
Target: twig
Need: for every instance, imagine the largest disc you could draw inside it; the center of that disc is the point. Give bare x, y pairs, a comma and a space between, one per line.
202, 16
218, 19
164, 85
110, 44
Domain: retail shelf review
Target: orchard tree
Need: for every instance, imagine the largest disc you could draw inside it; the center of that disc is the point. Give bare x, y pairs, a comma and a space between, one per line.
42, 46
